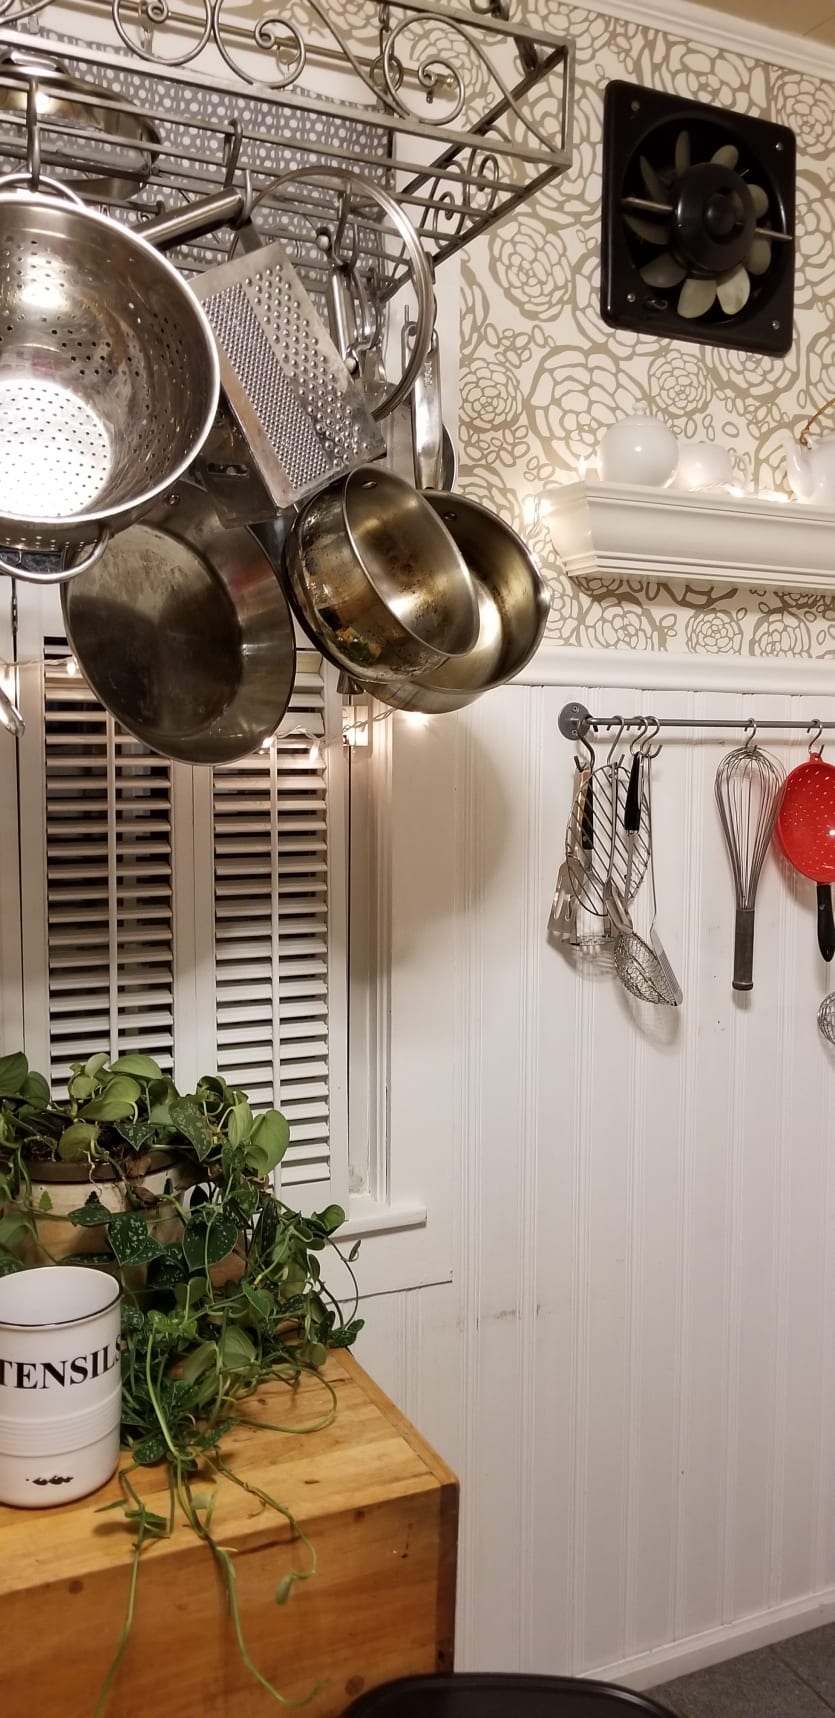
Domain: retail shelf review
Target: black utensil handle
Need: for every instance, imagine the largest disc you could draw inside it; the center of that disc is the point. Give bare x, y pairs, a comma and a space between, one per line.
826, 922
632, 813
743, 978
587, 825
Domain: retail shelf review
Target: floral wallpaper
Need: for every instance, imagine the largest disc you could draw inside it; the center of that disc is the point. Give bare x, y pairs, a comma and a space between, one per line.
542, 375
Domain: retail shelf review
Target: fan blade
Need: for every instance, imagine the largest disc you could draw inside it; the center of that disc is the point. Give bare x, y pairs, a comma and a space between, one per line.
654, 232
682, 155
758, 257
653, 185
663, 271
759, 198
727, 156
733, 290
696, 297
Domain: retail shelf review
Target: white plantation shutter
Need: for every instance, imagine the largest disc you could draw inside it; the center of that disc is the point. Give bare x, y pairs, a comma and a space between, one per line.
271, 916
195, 915
104, 943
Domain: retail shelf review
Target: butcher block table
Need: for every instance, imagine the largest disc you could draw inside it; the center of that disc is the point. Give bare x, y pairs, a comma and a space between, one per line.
379, 1507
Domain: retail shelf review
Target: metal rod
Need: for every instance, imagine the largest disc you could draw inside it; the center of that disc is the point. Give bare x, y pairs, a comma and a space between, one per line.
575, 721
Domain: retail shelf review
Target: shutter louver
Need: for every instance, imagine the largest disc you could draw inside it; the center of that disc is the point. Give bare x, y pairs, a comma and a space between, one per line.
109, 881
271, 912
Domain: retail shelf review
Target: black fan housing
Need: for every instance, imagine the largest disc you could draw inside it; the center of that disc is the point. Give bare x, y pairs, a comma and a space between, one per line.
698, 221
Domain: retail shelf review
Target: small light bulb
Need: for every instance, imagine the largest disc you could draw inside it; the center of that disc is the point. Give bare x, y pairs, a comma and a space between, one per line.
72, 666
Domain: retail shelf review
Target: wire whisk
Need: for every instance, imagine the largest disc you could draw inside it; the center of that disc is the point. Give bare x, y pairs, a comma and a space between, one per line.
749, 784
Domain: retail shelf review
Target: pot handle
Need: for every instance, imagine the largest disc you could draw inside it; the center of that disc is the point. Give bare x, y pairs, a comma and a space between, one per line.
31, 576
55, 186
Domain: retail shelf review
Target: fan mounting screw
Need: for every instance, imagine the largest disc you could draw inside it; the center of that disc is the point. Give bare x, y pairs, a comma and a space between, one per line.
635, 107
775, 326
630, 298
779, 146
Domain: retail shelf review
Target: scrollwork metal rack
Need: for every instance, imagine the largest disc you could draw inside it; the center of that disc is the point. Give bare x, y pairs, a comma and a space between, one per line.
462, 114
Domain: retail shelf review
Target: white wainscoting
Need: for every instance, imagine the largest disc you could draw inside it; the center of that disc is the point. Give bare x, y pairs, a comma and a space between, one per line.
633, 1368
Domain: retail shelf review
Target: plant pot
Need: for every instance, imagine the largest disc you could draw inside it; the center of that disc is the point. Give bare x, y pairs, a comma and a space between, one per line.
68, 1185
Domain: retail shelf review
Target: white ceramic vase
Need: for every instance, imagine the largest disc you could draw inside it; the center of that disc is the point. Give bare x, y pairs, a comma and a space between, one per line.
638, 450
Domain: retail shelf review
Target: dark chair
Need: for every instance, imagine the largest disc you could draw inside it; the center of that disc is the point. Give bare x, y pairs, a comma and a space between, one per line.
482, 1696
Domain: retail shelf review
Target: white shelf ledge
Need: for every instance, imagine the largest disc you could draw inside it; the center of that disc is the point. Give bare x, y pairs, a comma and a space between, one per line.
617, 531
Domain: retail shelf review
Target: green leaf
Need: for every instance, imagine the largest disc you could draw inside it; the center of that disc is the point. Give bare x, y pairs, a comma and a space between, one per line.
266, 1231
191, 1121
149, 1451
314, 1353
12, 1229
209, 1237
169, 1268
94, 1064
36, 1089
91, 1213
347, 1336
8, 1267
235, 1350
261, 1302
239, 1124
142, 1067
13, 1072
81, 1086
161, 1095
267, 1142
330, 1219
77, 1142
202, 1359
132, 1241
108, 1109
138, 1133
354, 1253
132, 1319
45, 1202
122, 1086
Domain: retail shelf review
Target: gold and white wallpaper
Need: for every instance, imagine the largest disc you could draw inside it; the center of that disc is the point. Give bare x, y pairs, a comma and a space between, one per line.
542, 375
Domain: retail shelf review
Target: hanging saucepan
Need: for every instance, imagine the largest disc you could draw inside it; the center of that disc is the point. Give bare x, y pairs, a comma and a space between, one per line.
184, 634
109, 376
513, 600
806, 833
132, 141
375, 578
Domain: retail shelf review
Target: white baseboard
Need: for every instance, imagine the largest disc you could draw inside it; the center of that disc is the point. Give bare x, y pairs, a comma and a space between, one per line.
681, 1657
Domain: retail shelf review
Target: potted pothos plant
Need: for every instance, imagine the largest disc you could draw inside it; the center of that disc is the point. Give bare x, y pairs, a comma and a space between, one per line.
223, 1285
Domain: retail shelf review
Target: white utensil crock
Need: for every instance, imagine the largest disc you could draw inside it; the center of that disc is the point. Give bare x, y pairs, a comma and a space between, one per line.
60, 1384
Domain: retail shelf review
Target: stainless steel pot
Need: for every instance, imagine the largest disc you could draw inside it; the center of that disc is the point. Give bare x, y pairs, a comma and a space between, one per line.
377, 580
514, 605
184, 634
109, 377
513, 599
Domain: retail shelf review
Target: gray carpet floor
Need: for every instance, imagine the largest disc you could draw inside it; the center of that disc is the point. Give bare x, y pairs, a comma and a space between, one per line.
795, 1679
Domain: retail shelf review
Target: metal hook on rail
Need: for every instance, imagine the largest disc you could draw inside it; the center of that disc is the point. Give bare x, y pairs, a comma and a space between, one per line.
750, 734
641, 725
815, 728
621, 724
649, 751
582, 736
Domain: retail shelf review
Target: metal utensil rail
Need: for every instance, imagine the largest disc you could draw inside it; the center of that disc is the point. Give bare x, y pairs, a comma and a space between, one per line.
576, 722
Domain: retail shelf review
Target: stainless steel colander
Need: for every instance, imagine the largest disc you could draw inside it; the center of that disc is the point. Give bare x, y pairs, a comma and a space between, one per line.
109, 377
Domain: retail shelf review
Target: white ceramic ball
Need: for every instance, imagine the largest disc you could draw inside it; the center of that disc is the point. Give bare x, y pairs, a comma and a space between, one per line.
638, 450
703, 465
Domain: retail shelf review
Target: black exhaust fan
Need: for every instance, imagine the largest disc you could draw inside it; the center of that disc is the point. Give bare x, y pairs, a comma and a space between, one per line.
698, 221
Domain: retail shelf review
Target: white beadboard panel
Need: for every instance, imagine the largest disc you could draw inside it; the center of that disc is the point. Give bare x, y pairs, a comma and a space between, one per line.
631, 1369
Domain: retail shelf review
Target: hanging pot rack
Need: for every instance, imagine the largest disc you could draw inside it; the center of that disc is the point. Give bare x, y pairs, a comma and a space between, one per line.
461, 115
575, 722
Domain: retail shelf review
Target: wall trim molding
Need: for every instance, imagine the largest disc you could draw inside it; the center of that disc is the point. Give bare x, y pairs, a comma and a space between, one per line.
744, 36
715, 1646
656, 671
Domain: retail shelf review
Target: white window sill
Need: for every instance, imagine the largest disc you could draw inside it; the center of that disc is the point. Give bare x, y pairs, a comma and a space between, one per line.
400, 1249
